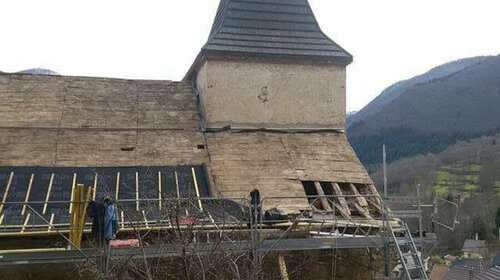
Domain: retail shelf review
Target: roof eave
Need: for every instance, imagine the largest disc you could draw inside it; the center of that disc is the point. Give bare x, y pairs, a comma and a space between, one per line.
204, 54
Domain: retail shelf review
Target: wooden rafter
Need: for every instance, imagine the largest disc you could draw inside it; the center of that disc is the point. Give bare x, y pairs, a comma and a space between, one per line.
323, 200
361, 200
374, 201
47, 195
341, 198
28, 192
341, 210
6, 192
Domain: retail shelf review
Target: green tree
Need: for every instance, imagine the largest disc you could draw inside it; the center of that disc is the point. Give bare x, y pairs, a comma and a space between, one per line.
497, 218
435, 260
479, 227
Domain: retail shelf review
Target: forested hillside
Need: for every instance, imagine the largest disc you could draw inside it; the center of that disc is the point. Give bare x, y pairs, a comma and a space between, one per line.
466, 173
395, 90
428, 115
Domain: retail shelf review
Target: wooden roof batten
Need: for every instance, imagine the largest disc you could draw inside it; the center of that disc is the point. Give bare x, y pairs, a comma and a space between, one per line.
268, 29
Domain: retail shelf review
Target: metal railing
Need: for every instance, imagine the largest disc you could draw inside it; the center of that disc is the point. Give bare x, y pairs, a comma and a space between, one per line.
327, 211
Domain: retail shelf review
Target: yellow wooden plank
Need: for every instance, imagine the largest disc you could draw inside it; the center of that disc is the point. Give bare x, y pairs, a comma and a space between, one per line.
159, 190
72, 193
1, 219
122, 220
95, 187
178, 191
177, 184
28, 191
81, 222
26, 222
283, 270
197, 189
47, 196
6, 192
145, 219
117, 189
137, 191
51, 222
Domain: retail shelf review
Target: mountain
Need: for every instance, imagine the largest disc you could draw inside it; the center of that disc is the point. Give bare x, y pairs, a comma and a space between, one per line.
39, 71
395, 90
455, 101
348, 115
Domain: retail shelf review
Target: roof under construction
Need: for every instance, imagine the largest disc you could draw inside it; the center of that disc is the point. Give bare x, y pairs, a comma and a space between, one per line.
93, 123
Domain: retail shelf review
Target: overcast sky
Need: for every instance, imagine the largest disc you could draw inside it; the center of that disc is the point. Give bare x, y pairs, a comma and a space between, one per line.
390, 39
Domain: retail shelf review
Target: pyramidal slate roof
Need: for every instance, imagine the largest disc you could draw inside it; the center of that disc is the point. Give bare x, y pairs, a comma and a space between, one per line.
271, 28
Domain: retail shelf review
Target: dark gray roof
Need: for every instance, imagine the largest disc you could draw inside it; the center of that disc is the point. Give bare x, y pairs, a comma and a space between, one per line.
271, 28
460, 273
489, 274
473, 246
496, 260
477, 264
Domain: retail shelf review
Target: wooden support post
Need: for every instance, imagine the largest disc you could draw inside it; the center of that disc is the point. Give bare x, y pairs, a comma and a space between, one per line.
283, 270
81, 225
47, 196
26, 199
6, 192
137, 191
76, 214
1, 219
324, 201
341, 198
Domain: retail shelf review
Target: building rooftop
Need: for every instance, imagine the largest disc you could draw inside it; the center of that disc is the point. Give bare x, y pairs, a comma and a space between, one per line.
439, 272
91, 124
473, 246
271, 29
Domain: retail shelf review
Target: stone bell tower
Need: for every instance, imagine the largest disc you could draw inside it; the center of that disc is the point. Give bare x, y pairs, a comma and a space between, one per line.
267, 64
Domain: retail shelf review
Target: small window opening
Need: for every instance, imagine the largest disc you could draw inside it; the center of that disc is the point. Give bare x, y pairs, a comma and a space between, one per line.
200, 147
327, 188
127, 149
309, 189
